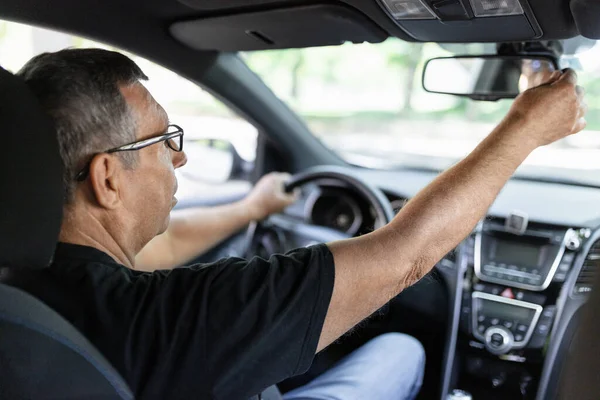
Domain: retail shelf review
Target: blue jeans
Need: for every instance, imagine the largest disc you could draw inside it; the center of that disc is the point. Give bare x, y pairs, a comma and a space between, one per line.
390, 367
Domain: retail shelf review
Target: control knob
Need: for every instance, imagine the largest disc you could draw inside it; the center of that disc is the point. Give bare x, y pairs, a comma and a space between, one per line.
498, 340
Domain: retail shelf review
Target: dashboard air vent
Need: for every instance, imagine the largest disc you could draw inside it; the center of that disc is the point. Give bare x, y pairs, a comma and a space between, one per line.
585, 280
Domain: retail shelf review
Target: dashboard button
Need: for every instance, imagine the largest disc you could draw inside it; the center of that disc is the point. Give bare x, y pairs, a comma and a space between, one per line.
522, 328
507, 324
481, 329
530, 297
519, 295
530, 281
519, 337
542, 328
494, 321
549, 312
481, 318
496, 340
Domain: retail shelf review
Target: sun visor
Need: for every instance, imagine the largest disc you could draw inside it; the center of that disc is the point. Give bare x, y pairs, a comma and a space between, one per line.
294, 27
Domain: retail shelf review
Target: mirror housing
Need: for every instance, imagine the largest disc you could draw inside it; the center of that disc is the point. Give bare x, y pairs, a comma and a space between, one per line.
219, 159
487, 77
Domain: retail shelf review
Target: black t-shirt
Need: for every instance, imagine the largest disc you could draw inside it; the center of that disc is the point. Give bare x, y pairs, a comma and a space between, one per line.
225, 330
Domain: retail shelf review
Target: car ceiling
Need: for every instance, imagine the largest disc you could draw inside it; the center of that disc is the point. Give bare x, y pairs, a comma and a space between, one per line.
233, 25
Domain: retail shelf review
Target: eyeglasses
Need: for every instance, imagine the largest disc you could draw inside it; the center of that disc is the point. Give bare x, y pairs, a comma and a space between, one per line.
173, 138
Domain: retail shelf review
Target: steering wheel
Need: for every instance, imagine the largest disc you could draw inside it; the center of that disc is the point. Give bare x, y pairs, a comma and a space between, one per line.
323, 174
374, 196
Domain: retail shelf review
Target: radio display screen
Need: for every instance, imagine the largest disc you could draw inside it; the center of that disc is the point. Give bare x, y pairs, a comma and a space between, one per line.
505, 311
516, 253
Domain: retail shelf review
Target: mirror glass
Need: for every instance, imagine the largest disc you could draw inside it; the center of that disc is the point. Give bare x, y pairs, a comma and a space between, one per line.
486, 78
213, 160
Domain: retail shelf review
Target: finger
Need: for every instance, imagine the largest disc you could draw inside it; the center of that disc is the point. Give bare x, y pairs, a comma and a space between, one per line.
580, 91
583, 108
568, 76
291, 197
283, 188
280, 177
579, 125
553, 77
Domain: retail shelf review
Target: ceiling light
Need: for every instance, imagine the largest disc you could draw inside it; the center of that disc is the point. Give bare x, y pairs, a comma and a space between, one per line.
495, 8
408, 9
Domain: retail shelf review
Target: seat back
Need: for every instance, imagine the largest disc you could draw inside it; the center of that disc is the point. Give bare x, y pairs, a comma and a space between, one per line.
42, 356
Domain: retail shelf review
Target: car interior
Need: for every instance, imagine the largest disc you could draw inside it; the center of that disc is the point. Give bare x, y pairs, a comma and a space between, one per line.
510, 314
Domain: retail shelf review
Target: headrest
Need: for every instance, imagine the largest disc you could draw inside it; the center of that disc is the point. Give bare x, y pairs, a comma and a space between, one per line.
31, 193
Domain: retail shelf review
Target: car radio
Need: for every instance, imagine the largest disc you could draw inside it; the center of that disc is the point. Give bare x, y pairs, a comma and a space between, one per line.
502, 323
526, 258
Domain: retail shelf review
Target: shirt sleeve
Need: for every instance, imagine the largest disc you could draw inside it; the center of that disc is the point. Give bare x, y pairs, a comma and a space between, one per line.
229, 330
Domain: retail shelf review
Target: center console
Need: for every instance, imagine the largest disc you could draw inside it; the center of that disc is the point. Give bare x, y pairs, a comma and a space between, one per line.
511, 278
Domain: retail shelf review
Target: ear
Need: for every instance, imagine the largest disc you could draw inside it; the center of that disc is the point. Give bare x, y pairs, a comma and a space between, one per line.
106, 180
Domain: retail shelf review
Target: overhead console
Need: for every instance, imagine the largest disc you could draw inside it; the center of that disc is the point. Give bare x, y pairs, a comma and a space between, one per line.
243, 25
492, 20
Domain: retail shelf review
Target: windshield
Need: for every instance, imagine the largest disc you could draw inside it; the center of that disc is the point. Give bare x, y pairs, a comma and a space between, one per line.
366, 103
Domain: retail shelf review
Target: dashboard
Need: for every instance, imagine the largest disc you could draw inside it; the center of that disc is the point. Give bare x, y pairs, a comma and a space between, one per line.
517, 283
511, 293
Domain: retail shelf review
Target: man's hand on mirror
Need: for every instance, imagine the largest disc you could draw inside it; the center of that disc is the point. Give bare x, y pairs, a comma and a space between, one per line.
550, 112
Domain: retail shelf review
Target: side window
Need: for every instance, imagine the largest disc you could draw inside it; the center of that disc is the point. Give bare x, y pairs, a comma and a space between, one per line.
221, 146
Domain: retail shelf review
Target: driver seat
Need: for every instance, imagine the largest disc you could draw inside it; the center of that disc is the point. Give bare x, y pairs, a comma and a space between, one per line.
42, 356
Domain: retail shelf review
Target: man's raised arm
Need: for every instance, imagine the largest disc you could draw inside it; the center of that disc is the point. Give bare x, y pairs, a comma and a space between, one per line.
372, 269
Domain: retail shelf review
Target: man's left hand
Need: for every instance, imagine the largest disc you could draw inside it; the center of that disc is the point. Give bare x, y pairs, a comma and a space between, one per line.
269, 196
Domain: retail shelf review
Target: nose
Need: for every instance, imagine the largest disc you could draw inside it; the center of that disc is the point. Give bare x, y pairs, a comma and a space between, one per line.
179, 159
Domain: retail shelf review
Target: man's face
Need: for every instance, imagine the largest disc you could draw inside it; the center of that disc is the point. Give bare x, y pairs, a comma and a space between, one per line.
149, 194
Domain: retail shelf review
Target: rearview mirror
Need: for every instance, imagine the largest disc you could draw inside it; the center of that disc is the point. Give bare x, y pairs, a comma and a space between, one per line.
214, 161
486, 77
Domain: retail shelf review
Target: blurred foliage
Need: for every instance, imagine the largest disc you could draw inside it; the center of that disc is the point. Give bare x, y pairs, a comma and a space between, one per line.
391, 71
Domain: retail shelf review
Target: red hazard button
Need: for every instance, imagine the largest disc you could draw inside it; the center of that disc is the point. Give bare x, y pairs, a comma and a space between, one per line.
507, 293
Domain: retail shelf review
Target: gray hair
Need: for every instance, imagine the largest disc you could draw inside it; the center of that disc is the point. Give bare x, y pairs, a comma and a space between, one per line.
79, 89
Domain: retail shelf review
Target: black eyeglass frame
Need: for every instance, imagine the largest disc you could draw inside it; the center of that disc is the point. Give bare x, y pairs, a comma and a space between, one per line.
138, 145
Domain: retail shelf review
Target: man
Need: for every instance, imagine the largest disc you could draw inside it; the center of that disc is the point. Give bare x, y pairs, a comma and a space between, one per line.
192, 232
230, 329
390, 366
